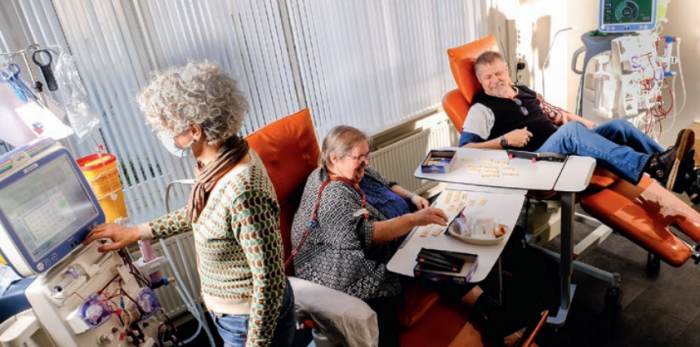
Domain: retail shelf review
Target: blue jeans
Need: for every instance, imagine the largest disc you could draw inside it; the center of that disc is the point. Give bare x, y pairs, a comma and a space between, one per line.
234, 328
617, 146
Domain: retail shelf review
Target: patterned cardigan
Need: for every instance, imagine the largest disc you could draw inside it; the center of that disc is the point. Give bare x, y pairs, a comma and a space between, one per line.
239, 248
337, 252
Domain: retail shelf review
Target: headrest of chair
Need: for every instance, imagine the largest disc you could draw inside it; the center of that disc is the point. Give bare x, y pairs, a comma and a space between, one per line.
462, 64
289, 150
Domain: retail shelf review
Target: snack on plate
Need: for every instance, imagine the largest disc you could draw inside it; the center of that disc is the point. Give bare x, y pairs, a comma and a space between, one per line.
484, 231
499, 231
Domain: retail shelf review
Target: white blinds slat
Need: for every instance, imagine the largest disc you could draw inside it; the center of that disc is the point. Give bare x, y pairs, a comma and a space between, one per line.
371, 64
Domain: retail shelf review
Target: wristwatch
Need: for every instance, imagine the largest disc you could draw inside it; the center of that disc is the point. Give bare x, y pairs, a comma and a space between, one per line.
503, 142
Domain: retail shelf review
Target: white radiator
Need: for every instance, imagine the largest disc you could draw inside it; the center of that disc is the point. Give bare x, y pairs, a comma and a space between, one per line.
185, 262
398, 160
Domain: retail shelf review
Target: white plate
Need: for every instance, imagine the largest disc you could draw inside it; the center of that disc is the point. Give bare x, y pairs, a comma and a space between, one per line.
452, 229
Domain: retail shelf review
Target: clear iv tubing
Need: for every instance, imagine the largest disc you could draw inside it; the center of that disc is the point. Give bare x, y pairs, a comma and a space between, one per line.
677, 110
184, 294
680, 72
187, 298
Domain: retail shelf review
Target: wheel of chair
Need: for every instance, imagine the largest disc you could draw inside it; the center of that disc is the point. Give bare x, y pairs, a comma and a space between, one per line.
653, 265
613, 305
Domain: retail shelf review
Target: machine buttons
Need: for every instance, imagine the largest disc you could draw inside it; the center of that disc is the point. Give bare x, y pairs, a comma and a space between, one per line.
54, 257
40, 266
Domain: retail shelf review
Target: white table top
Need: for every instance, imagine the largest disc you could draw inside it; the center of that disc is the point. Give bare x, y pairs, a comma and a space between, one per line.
492, 168
489, 175
504, 207
576, 174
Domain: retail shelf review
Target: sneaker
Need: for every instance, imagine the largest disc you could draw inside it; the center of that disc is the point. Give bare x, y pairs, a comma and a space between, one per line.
664, 167
694, 193
691, 182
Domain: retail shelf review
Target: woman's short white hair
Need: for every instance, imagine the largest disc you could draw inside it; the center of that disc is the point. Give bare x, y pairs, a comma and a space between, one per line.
199, 92
341, 140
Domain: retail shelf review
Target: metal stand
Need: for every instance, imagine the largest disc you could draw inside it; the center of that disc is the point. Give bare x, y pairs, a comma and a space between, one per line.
569, 253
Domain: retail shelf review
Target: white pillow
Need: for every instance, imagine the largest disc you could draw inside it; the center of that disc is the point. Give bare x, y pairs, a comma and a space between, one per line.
344, 319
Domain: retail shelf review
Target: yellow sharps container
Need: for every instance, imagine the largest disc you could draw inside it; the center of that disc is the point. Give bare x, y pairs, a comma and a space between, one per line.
100, 169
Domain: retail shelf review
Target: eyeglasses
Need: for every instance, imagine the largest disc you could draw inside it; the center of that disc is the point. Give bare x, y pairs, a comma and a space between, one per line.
523, 110
359, 158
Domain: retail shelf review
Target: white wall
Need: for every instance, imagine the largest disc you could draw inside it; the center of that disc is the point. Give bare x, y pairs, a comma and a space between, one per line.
537, 21
540, 19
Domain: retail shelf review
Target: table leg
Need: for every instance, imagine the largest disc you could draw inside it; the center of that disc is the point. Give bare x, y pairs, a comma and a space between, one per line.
568, 201
500, 281
566, 255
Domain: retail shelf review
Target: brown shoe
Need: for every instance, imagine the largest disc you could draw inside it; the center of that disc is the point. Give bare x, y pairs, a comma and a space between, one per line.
664, 167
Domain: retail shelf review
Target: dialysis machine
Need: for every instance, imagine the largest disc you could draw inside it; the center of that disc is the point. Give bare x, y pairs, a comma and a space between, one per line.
628, 69
79, 297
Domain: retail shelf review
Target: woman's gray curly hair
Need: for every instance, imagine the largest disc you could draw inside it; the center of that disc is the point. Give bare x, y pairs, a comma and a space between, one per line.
199, 92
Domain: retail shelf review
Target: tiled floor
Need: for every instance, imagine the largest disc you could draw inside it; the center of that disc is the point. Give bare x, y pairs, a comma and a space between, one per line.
659, 311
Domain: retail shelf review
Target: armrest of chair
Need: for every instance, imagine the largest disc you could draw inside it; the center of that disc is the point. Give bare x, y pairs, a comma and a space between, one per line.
341, 317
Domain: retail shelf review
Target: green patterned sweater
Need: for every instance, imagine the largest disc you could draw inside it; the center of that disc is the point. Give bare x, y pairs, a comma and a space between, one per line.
239, 248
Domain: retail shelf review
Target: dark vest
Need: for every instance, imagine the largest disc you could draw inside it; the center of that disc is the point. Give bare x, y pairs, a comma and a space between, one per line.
509, 117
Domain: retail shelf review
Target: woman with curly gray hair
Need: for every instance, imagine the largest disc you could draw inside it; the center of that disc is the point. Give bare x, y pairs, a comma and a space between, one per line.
232, 209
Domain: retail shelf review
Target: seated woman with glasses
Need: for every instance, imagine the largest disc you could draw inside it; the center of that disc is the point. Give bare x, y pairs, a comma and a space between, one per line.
349, 224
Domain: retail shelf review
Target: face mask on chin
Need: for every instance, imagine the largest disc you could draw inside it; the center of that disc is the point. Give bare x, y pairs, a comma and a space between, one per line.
168, 142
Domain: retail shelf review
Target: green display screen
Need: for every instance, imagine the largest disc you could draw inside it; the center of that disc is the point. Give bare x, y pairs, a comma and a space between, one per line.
627, 15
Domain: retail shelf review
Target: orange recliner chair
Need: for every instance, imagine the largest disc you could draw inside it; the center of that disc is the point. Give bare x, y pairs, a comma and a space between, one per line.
290, 151
643, 213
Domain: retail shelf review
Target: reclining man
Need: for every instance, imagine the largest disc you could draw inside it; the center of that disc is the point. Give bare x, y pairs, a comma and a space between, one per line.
509, 116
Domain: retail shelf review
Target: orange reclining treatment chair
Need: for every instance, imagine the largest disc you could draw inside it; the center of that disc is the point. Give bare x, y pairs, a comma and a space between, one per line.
643, 213
290, 151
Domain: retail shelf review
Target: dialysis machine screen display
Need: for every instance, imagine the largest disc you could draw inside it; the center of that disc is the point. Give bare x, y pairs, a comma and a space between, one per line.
627, 15
46, 206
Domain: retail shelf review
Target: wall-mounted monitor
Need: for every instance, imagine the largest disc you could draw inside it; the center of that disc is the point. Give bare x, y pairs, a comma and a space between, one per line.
627, 16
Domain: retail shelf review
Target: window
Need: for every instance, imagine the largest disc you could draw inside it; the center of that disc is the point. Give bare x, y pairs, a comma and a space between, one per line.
367, 63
